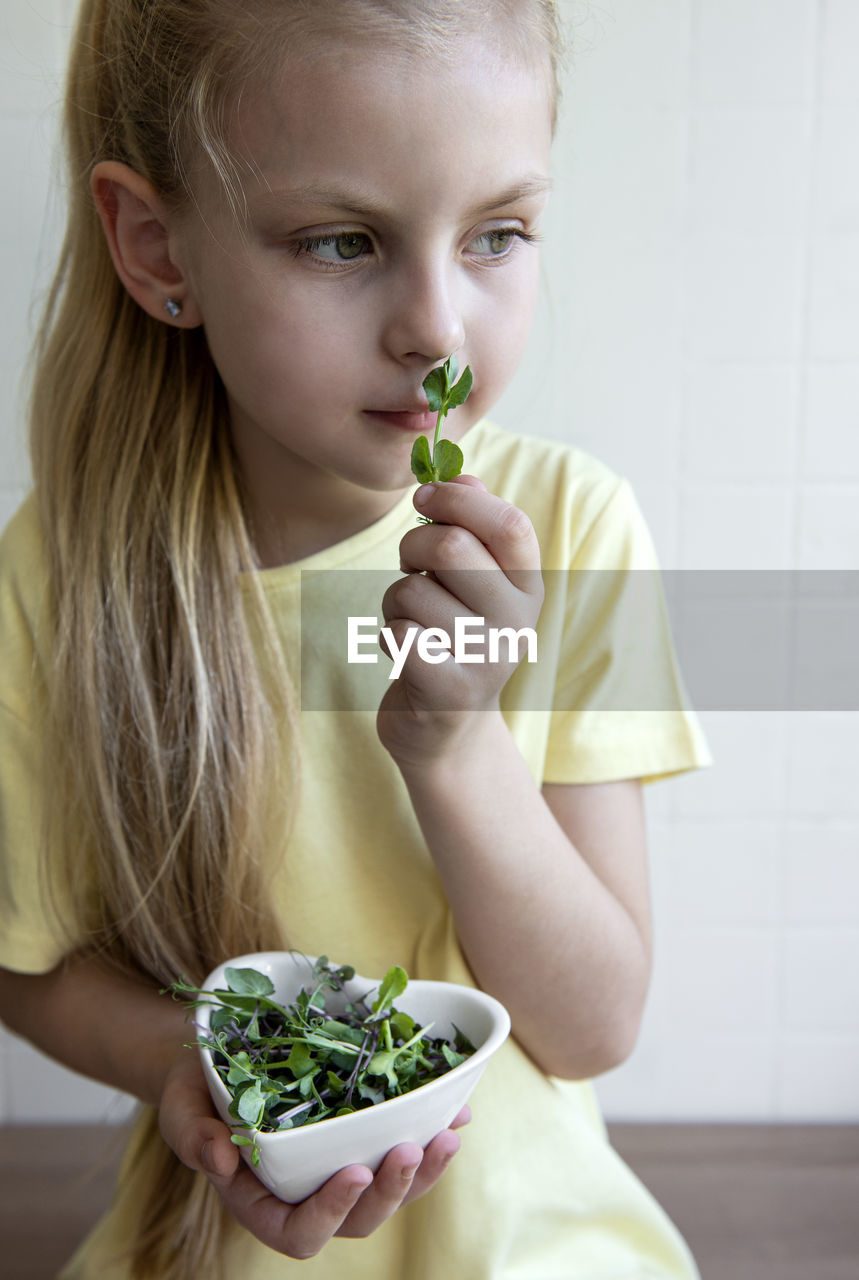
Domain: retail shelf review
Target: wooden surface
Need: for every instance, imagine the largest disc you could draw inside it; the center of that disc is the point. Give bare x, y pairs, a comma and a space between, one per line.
754, 1202
55, 1181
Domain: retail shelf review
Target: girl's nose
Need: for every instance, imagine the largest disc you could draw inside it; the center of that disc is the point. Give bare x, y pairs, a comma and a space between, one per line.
424, 320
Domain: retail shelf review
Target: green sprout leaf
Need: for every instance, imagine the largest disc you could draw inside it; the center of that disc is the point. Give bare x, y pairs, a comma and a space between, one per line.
249, 982
422, 467
402, 1025
461, 391
388, 1063
452, 1058
383, 1064
443, 393
250, 1104
300, 1060
240, 1070
436, 386
448, 459
393, 985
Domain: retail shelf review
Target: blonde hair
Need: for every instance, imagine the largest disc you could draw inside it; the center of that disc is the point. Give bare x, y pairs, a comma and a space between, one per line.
160, 732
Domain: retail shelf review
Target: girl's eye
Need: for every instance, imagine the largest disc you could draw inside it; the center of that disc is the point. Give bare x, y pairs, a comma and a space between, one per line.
334, 249
495, 244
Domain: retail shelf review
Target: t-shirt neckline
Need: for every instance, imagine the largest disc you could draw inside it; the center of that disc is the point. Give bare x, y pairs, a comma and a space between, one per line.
340, 553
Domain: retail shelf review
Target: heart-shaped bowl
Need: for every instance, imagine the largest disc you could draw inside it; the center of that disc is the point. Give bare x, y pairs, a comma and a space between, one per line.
295, 1163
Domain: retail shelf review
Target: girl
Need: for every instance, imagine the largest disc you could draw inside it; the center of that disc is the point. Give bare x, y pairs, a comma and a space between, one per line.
283, 215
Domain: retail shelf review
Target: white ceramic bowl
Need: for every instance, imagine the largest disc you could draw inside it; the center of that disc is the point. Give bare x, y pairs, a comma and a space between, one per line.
295, 1163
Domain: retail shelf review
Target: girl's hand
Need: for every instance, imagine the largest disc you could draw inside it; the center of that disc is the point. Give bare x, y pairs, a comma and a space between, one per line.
352, 1203
480, 559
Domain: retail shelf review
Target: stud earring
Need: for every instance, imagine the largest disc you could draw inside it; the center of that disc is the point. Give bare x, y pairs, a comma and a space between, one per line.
173, 308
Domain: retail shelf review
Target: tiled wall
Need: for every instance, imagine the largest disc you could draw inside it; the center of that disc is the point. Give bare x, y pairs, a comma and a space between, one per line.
33, 39
700, 332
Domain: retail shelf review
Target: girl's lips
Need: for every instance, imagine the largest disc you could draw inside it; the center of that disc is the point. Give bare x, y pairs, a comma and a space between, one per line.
420, 422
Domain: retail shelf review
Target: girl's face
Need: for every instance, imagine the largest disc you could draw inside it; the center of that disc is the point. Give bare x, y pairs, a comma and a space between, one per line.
390, 205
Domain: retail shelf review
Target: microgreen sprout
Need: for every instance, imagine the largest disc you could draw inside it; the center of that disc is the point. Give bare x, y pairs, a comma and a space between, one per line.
443, 394
291, 1065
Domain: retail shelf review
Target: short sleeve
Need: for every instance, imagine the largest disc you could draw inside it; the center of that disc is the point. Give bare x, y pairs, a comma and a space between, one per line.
32, 938
620, 709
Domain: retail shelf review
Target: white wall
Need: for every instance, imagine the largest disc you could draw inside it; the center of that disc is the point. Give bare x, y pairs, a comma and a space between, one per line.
701, 334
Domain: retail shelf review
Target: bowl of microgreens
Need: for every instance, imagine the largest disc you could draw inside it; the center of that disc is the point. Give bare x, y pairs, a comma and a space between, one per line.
315, 1068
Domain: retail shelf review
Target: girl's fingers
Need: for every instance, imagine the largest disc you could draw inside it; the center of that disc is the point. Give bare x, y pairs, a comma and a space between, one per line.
437, 1157
189, 1124
502, 528
471, 482
457, 598
461, 1119
388, 1190
298, 1231
426, 601
406, 1174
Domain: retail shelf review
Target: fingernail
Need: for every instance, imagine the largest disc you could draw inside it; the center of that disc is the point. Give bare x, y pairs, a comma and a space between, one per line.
207, 1158
410, 1172
423, 495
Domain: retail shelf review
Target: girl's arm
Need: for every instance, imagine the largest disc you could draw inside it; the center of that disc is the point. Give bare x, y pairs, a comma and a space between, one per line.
548, 889
549, 896
126, 1035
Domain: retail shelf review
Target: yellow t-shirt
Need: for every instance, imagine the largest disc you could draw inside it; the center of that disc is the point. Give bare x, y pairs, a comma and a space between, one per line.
536, 1192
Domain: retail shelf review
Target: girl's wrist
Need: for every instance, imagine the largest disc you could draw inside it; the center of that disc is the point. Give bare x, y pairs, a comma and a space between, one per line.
144, 1029
466, 744
158, 1036
174, 1055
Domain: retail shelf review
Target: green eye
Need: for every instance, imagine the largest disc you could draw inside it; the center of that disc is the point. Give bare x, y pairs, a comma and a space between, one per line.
494, 243
334, 248
351, 244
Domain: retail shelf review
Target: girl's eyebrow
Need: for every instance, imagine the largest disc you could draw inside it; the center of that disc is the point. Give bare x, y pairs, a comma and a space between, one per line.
527, 188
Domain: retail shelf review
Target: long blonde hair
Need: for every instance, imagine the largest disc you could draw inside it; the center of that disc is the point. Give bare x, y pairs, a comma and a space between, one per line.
160, 734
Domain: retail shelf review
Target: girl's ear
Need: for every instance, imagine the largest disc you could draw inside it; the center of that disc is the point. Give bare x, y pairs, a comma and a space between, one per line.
136, 224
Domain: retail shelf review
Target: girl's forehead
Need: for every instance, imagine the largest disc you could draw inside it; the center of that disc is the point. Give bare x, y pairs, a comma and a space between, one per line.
382, 106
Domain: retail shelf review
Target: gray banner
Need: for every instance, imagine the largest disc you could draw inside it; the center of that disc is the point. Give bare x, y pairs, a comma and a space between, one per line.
760, 640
